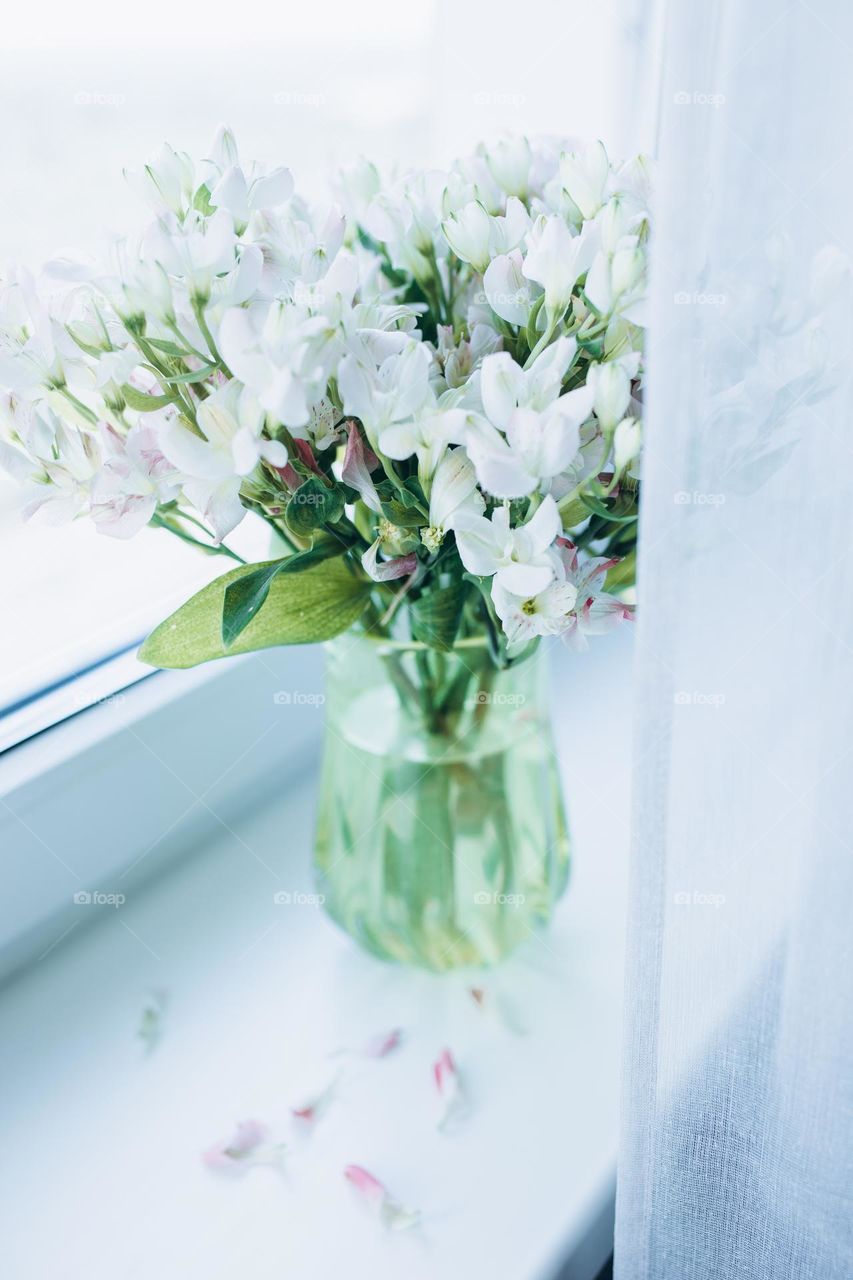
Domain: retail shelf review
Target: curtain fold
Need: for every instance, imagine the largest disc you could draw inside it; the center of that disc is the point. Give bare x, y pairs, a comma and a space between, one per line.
737, 1105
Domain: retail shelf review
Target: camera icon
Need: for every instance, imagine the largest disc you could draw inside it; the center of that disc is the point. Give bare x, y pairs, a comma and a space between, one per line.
682, 298
682, 498
681, 899
483, 696
283, 698
482, 898
283, 898
682, 699
82, 898
681, 99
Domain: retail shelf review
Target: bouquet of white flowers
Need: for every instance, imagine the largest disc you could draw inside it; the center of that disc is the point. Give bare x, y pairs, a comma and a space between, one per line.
430, 393
431, 396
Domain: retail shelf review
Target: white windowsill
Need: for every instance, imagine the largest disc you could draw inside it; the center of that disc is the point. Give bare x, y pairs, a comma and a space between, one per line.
260, 994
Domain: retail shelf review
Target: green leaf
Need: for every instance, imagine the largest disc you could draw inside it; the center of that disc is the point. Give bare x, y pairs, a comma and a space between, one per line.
574, 513
605, 512
246, 594
312, 506
301, 608
194, 375
168, 348
141, 402
436, 615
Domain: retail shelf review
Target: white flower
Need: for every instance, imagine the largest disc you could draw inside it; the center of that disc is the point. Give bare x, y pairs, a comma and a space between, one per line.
543, 614
617, 282
532, 432
387, 394
627, 440
453, 495
584, 176
611, 388
195, 250
556, 259
241, 198
283, 354
134, 479
506, 288
522, 560
165, 182
476, 237
211, 468
509, 163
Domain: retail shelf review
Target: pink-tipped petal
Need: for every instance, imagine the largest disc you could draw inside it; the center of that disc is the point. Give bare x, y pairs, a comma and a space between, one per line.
454, 1103
310, 1111
359, 461
383, 1045
392, 1214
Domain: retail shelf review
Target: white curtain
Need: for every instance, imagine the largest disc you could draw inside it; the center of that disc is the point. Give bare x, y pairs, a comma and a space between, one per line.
738, 1106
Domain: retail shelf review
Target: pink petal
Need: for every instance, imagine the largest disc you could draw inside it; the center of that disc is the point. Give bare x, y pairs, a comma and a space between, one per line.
454, 1103
387, 570
359, 461
392, 1214
381, 1046
311, 1110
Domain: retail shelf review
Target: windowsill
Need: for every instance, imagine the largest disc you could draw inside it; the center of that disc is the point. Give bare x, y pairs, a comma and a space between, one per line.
259, 996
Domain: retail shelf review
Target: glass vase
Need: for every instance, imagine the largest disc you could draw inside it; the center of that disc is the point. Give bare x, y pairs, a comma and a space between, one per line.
441, 835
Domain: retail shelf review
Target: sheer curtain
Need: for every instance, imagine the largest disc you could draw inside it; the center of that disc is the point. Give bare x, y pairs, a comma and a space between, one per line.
738, 1108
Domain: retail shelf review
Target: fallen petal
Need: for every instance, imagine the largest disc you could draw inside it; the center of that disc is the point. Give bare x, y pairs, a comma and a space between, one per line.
310, 1111
247, 1146
392, 1214
454, 1103
382, 1046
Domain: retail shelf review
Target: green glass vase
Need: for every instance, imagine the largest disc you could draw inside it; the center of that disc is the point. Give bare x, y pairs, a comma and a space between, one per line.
441, 835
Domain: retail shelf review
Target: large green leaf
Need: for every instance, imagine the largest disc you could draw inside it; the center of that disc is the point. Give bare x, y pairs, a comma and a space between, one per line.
300, 609
245, 595
142, 402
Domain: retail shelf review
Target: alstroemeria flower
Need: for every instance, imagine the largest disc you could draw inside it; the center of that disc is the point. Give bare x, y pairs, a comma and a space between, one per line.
522, 560
525, 618
476, 236
532, 433
507, 289
611, 392
165, 183
241, 198
278, 353
392, 1214
627, 440
595, 612
195, 250
387, 394
453, 495
556, 259
509, 162
212, 468
135, 478
454, 1102
617, 282
585, 177
249, 1145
